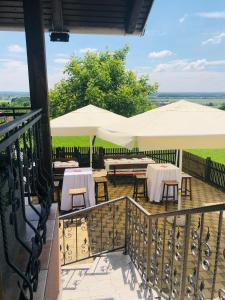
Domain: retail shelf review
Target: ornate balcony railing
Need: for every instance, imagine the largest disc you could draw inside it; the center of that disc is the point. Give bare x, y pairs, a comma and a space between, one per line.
180, 255
24, 187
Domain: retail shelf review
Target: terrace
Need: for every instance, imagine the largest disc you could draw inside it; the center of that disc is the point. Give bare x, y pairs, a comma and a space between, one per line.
124, 223
196, 251
173, 261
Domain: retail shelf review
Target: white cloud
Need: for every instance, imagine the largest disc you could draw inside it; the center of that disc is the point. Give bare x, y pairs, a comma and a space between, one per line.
188, 81
182, 19
85, 50
160, 54
183, 65
212, 14
14, 75
16, 49
12, 63
61, 60
216, 39
200, 81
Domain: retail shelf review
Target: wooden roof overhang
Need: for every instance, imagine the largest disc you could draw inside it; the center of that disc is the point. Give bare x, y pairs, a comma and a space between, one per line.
82, 16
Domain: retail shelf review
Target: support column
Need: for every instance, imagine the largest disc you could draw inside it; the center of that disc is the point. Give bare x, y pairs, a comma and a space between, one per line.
36, 57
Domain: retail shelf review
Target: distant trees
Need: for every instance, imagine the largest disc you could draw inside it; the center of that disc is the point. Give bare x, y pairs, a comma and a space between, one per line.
103, 80
20, 101
222, 106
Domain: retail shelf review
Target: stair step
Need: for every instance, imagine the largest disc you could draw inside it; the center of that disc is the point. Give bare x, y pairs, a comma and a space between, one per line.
111, 276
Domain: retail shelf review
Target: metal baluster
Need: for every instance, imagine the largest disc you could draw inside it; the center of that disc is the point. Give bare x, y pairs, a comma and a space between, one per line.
101, 214
185, 256
36, 241
217, 253
126, 227
135, 238
163, 250
149, 241
31, 175
77, 237
139, 240
113, 237
144, 260
63, 243
89, 247
199, 253
132, 233
155, 254
174, 224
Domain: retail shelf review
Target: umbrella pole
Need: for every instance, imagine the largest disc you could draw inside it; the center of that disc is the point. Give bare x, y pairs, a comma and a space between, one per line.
177, 157
91, 150
179, 191
180, 221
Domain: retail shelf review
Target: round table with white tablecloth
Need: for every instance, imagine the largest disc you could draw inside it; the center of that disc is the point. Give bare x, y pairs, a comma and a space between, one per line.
77, 178
156, 173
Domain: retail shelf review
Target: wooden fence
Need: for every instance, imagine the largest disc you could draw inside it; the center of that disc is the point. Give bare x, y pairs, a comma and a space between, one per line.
82, 154
204, 169
210, 171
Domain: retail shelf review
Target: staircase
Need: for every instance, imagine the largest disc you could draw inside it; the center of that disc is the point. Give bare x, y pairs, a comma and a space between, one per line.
111, 276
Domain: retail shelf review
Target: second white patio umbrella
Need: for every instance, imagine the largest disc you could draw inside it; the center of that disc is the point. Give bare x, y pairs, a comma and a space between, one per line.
180, 125
84, 121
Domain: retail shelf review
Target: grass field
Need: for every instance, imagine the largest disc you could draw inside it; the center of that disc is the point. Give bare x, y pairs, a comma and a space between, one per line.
83, 141
79, 141
215, 154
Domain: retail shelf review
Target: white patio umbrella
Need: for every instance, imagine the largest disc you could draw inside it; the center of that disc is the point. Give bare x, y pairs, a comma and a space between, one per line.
84, 121
180, 125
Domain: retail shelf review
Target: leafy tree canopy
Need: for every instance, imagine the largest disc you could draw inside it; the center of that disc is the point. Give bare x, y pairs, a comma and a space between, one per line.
222, 106
101, 79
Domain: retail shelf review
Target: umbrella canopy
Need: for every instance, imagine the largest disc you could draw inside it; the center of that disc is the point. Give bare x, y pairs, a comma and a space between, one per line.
179, 125
83, 121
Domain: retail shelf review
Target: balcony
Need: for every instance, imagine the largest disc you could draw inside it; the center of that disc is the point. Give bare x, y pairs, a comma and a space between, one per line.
28, 221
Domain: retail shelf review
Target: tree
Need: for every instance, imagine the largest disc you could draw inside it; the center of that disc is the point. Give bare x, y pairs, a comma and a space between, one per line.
101, 79
222, 106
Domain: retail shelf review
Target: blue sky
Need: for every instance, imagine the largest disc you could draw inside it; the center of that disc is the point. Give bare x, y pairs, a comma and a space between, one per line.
183, 49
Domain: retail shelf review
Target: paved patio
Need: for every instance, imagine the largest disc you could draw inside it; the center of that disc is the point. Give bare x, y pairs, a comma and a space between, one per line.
202, 194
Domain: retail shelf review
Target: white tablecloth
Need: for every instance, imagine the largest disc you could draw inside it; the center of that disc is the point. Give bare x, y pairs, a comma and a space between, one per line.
77, 178
127, 161
156, 173
66, 164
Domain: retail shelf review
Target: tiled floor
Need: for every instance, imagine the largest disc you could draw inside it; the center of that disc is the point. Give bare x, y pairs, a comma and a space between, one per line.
203, 194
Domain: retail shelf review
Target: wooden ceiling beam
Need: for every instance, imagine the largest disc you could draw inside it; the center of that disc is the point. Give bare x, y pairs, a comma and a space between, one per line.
57, 15
135, 9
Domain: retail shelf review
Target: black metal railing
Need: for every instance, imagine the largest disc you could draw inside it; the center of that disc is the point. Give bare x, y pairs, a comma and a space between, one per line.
7, 112
180, 254
24, 188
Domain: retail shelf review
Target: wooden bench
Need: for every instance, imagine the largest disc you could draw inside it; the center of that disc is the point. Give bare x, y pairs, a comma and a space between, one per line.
126, 169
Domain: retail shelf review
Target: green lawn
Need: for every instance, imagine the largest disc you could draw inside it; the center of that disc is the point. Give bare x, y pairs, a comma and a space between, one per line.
215, 154
79, 141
